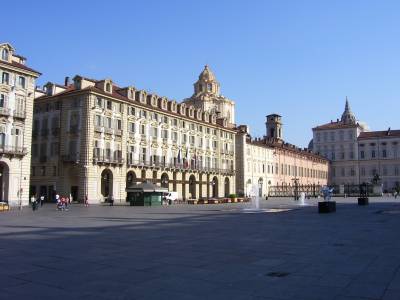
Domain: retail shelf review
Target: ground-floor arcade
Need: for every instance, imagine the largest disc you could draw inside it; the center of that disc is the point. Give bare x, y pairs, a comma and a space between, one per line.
14, 180
101, 182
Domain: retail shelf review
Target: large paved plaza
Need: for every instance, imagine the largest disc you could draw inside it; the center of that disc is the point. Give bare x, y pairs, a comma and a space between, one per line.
202, 252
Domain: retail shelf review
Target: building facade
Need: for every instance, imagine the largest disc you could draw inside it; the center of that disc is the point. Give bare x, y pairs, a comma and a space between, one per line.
378, 153
17, 87
94, 138
276, 167
356, 154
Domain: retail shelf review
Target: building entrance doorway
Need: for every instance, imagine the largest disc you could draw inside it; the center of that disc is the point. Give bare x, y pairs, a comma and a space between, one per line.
106, 183
3, 182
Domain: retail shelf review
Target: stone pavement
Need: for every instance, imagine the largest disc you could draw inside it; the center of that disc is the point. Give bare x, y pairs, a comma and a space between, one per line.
202, 252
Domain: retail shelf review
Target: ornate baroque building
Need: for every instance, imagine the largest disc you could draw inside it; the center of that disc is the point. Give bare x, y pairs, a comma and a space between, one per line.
17, 87
94, 138
274, 165
357, 155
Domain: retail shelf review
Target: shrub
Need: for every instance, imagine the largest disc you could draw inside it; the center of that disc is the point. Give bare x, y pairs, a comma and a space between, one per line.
232, 196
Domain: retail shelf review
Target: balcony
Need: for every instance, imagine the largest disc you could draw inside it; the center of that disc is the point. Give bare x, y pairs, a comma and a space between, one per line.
108, 130
4, 111
107, 160
118, 132
19, 114
98, 128
71, 158
12, 150
178, 166
131, 135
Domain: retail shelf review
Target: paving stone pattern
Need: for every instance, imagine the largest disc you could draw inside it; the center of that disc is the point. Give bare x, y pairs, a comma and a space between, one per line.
203, 252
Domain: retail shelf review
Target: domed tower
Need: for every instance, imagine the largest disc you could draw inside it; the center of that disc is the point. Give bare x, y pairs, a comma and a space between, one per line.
348, 117
207, 84
207, 97
274, 126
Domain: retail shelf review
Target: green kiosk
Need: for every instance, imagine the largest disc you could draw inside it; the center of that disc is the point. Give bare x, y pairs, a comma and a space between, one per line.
145, 194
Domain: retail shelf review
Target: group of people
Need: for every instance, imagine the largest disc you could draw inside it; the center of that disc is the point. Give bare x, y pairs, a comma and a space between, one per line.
36, 202
63, 202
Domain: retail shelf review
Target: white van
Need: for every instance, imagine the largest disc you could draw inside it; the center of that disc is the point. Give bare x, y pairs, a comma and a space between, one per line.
171, 197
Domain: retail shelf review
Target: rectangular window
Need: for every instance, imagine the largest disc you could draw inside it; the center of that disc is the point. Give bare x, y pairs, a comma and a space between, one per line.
98, 120
143, 154
119, 124
174, 136
2, 100
142, 129
99, 102
373, 153
191, 140
132, 127
132, 111
21, 81
109, 105
362, 154
5, 78
164, 134
384, 154
154, 132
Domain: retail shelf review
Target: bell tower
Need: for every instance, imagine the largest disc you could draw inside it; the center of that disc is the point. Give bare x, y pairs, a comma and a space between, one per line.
274, 127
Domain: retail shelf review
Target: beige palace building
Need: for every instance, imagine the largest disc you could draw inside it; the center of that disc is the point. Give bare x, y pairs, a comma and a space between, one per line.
17, 87
91, 137
275, 166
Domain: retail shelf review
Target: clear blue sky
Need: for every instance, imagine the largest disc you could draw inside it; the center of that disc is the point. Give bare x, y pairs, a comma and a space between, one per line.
296, 58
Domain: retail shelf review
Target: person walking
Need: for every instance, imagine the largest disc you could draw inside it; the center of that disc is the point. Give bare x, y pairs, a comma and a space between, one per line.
41, 200
34, 203
86, 201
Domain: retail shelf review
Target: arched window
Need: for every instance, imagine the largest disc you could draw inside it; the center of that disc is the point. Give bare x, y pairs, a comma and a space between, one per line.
4, 54
108, 87
209, 87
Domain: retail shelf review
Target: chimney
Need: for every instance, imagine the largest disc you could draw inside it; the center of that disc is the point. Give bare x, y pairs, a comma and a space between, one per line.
388, 131
66, 81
